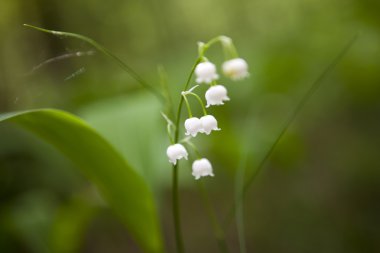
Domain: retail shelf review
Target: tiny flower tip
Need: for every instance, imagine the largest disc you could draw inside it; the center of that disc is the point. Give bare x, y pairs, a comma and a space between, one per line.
208, 132
191, 134
236, 69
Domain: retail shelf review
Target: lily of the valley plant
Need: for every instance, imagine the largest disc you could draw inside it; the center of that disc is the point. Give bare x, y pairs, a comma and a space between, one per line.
206, 73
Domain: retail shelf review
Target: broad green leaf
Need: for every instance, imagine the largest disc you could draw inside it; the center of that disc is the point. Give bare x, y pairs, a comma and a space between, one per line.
124, 189
134, 126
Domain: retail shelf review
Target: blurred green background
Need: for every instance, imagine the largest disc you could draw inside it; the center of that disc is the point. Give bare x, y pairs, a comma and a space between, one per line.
320, 190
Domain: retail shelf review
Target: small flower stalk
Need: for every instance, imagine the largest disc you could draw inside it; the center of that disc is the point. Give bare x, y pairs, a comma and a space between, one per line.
206, 73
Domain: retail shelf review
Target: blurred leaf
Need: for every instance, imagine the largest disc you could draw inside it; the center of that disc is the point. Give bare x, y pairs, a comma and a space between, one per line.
28, 218
70, 225
134, 126
121, 186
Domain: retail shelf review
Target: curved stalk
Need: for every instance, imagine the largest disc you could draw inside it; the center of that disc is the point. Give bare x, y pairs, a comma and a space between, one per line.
313, 88
105, 51
187, 105
200, 102
218, 231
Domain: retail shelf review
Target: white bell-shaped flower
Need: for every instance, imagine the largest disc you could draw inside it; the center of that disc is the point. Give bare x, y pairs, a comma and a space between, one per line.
202, 168
205, 72
176, 152
235, 69
193, 126
209, 123
215, 95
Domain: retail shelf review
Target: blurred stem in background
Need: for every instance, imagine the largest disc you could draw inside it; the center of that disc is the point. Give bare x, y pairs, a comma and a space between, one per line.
105, 51
218, 231
241, 188
239, 191
59, 58
313, 88
176, 211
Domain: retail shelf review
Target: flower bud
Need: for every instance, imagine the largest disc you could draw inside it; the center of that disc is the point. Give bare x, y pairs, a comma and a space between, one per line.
205, 72
193, 126
202, 168
209, 123
235, 69
215, 95
176, 152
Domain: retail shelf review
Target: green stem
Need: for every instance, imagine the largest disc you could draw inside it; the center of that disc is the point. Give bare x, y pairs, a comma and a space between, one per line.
169, 125
218, 231
178, 119
61, 57
230, 52
170, 134
194, 148
105, 51
205, 46
239, 184
165, 90
175, 200
317, 83
200, 102
187, 106
176, 211
313, 88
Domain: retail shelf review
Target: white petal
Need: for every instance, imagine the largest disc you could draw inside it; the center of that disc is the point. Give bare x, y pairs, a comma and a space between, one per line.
209, 123
176, 152
216, 95
235, 69
202, 168
193, 126
205, 72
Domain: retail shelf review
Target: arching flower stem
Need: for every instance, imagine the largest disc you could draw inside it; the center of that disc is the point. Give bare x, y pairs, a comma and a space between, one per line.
198, 98
187, 104
169, 127
195, 149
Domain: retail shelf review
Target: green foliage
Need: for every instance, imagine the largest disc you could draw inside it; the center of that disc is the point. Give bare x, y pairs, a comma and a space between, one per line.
122, 187
321, 177
126, 122
70, 225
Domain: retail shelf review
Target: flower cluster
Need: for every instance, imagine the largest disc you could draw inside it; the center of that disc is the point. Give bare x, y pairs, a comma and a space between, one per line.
205, 71
205, 125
